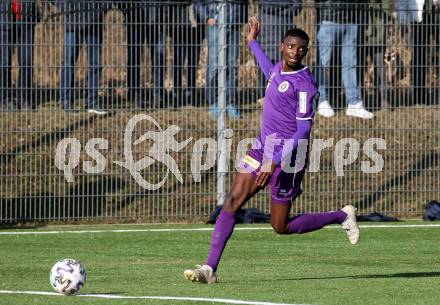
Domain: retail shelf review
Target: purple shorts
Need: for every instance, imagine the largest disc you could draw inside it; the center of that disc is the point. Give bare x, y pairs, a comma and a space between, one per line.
285, 187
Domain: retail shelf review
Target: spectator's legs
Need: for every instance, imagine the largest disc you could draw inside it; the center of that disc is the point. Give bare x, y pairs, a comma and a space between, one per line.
403, 11
178, 61
270, 35
193, 61
158, 61
179, 37
25, 46
5, 64
181, 42
94, 43
266, 42
233, 41
348, 61
278, 21
326, 41
212, 68
435, 87
416, 10
274, 23
419, 61
72, 44
380, 68
134, 20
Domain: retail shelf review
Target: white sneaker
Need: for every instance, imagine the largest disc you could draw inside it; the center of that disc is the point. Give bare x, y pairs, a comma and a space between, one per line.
97, 111
202, 274
349, 224
325, 109
358, 110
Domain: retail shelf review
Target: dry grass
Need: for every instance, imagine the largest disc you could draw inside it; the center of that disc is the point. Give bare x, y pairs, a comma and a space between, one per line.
409, 179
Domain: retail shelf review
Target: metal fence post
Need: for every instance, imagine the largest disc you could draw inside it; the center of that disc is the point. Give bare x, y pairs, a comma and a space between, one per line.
222, 166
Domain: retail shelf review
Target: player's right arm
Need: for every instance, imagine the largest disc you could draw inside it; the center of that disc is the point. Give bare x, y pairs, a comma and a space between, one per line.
264, 62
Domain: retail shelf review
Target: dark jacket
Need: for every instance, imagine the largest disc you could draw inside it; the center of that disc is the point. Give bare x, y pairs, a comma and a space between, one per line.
29, 13
272, 6
145, 12
81, 14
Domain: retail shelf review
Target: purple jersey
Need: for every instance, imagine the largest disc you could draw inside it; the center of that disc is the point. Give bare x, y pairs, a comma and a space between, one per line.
290, 96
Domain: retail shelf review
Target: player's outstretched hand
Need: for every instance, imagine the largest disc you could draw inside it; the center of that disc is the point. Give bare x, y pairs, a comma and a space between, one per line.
254, 28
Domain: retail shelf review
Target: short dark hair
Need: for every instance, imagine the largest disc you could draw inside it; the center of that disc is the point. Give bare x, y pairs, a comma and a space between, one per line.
296, 32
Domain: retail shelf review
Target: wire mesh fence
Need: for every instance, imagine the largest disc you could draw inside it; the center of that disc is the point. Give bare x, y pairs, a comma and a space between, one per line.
139, 110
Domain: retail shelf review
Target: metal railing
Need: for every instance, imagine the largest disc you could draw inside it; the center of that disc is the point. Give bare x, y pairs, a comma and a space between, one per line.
81, 81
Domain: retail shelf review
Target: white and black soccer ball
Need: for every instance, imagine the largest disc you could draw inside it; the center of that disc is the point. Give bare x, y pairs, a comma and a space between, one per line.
67, 276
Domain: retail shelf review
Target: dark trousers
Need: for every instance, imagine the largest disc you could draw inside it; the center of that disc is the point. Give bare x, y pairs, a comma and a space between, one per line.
21, 36
425, 60
186, 40
138, 32
187, 45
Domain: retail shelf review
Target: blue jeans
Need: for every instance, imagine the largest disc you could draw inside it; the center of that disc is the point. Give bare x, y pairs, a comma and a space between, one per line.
232, 51
407, 11
72, 44
329, 35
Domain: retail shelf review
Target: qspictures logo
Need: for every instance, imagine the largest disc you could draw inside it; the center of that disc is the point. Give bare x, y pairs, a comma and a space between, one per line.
204, 153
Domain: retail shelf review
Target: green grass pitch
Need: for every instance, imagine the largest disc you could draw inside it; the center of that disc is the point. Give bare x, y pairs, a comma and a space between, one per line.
398, 265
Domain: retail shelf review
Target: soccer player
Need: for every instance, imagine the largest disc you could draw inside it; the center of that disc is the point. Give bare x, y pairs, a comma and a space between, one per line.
288, 114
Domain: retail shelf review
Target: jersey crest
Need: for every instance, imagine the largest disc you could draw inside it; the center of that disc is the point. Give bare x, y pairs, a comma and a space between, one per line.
283, 86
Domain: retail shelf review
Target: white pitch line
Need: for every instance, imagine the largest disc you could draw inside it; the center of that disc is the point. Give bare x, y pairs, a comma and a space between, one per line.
112, 231
199, 229
110, 296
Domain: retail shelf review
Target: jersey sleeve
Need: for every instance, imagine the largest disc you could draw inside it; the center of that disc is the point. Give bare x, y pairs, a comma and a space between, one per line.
263, 61
307, 97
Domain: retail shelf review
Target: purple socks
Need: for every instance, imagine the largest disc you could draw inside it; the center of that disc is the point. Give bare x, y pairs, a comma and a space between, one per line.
312, 222
222, 231
225, 224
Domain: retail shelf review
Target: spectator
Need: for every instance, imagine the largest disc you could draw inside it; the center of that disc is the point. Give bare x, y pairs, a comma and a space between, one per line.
235, 16
187, 34
338, 25
276, 18
17, 24
375, 41
434, 18
413, 17
144, 22
83, 22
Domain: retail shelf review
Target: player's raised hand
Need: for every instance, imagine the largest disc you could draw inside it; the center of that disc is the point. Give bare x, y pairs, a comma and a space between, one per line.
254, 28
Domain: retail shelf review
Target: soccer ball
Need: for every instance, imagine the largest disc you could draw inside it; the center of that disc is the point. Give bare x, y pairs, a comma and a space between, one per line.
67, 276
